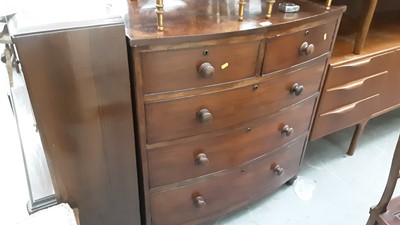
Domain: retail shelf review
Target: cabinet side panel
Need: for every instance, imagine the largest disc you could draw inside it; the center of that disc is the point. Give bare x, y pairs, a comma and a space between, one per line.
78, 81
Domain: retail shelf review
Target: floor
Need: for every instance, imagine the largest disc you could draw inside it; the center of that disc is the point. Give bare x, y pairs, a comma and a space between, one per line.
332, 188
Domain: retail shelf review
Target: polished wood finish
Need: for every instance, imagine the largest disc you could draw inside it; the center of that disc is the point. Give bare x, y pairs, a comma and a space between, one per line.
194, 21
227, 150
230, 62
389, 95
387, 210
368, 77
211, 100
227, 189
382, 37
353, 77
320, 38
229, 107
78, 81
346, 115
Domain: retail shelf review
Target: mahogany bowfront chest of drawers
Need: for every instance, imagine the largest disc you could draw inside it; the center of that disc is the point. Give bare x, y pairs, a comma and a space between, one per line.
223, 108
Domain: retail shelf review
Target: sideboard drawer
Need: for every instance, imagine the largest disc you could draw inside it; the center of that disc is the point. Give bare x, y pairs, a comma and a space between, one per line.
193, 159
346, 73
344, 116
233, 188
172, 70
168, 120
290, 49
352, 91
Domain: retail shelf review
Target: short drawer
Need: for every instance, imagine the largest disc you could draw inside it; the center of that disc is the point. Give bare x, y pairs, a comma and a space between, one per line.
343, 117
172, 70
352, 91
228, 190
189, 160
172, 119
339, 75
290, 49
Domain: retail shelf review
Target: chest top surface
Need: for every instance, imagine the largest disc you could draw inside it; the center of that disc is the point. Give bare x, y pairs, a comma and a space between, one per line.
189, 20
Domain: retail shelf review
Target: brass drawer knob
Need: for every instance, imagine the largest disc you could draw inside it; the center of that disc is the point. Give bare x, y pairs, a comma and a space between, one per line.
278, 170
201, 159
306, 49
296, 89
206, 70
204, 116
199, 202
287, 130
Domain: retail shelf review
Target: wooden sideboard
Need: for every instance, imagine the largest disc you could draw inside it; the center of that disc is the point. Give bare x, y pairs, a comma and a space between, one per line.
363, 74
223, 108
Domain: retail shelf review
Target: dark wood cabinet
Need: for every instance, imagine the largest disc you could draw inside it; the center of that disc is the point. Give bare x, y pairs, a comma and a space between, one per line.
223, 108
77, 76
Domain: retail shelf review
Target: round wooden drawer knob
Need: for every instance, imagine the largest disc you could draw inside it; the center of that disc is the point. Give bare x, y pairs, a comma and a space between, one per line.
201, 159
278, 170
296, 89
199, 202
206, 70
204, 116
306, 48
287, 130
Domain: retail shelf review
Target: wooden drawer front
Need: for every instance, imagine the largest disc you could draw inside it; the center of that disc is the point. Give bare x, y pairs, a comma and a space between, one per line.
360, 69
284, 51
351, 92
390, 94
173, 119
184, 161
228, 190
179, 69
343, 117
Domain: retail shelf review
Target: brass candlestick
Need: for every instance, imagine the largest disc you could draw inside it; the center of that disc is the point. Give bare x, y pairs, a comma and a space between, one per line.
241, 9
328, 4
160, 14
270, 4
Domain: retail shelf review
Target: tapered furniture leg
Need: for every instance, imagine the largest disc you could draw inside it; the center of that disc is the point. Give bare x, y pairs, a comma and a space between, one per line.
364, 26
357, 133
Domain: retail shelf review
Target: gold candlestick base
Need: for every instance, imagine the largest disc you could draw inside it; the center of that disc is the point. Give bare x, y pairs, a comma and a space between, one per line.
242, 3
270, 4
160, 15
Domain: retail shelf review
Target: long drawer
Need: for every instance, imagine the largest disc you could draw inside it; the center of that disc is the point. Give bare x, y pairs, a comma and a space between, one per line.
290, 49
201, 199
189, 160
342, 117
352, 91
173, 70
168, 120
349, 72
